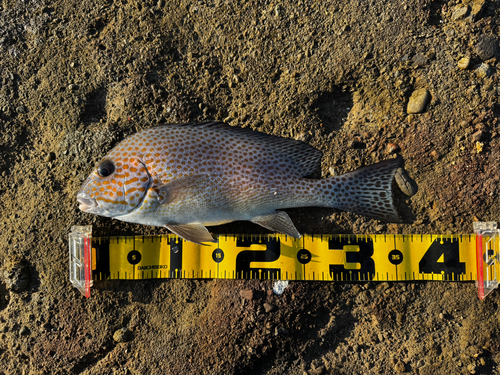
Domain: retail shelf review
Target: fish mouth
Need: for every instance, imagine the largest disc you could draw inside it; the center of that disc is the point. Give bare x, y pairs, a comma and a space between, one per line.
86, 204
91, 206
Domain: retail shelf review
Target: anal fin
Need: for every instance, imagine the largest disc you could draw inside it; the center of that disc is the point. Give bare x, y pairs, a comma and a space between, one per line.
279, 222
194, 232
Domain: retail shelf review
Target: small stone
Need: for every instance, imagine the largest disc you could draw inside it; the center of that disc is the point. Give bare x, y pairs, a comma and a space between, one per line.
72, 87
483, 70
460, 12
50, 157
268, 121
277, 10
486, 47
247, 294
420, 60
21, 109
122, 335
268, 307
24, 331
464, 62
480, 135
392, 147
400, 366
418, 101
474, 351
303, 137
477, 9
279, 286
399, 318
405, 182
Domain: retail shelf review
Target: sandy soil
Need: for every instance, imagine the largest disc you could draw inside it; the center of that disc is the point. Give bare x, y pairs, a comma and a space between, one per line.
76, 77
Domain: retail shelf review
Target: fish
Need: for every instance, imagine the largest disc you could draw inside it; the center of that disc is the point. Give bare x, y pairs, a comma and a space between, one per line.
186, 177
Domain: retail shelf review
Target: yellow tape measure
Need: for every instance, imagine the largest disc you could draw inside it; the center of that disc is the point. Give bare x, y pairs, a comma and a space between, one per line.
327, 257
399, 257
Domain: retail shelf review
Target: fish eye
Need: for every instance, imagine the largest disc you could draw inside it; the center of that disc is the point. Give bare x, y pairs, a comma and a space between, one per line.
106, 168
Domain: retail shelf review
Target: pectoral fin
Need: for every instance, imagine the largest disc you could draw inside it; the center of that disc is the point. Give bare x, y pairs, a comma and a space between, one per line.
187, 187
279, 222
194, 232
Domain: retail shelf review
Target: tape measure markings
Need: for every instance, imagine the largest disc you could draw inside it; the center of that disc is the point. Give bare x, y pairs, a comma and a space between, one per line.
313, 257
317, 257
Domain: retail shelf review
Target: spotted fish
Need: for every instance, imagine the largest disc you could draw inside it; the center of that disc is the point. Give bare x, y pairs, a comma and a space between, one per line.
186, 177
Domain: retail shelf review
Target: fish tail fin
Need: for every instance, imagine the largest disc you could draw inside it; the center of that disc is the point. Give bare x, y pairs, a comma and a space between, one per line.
367, 191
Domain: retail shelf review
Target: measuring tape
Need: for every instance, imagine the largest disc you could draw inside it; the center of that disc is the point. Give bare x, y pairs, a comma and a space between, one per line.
378, 257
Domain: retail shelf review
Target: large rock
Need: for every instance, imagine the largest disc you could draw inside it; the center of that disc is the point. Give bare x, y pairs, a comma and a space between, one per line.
487, 47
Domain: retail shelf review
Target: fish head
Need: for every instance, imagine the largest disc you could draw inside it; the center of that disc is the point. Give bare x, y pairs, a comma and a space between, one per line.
117, 186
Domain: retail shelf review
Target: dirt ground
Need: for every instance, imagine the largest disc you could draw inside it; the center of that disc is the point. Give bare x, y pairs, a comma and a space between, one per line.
76, 77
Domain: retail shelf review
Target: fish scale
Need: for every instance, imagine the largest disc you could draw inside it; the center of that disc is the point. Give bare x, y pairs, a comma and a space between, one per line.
187, 176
